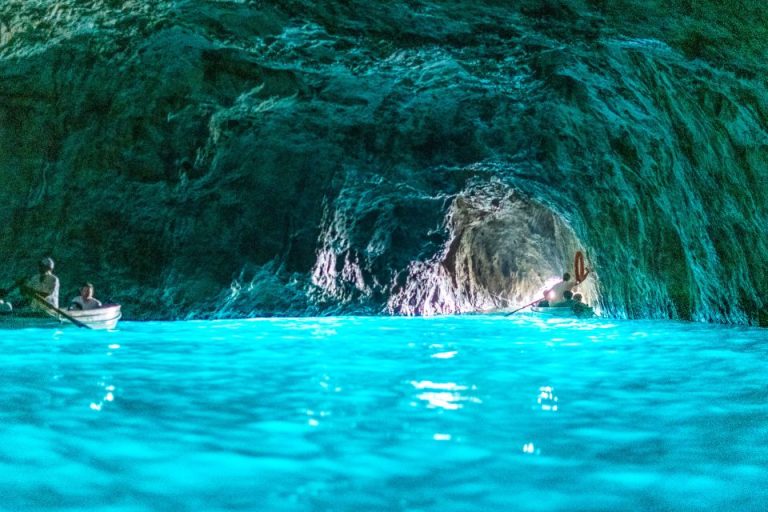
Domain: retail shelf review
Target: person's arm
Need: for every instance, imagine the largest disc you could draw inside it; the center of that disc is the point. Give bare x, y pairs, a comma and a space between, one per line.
585, 277
55, 287
43, 287
20, 283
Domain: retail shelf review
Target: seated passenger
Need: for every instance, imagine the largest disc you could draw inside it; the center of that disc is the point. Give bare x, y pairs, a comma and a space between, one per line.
85, 300
580, 308
567, 300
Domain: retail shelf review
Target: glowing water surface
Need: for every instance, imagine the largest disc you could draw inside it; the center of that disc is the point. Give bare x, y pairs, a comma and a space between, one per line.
442, 414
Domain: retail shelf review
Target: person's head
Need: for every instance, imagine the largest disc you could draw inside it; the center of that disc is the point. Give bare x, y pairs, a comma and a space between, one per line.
567, 295
45, 265
86, 291
566, 277
577, 297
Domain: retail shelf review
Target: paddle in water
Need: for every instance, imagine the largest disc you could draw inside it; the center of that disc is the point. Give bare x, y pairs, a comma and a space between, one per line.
527, 305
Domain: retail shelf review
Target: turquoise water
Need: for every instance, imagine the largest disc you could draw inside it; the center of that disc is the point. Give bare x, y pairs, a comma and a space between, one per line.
341, 414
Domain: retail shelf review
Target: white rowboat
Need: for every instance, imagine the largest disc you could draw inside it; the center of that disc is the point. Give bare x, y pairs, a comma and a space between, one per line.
105, 317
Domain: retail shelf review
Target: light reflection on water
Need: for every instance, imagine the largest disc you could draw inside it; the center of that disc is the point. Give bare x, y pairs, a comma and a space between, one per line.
462, 413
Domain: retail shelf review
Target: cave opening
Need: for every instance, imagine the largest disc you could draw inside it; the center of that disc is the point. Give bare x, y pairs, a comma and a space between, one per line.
503, 251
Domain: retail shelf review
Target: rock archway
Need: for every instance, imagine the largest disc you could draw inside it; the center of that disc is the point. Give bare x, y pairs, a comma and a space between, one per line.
503, 251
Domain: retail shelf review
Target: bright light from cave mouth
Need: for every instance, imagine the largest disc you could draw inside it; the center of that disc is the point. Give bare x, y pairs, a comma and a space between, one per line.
548, 284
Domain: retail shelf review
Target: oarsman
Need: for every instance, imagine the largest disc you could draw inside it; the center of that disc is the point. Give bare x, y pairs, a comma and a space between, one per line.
45, 283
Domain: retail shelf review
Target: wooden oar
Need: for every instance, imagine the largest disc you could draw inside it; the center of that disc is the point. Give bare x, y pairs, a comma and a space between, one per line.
41, 300
527, 305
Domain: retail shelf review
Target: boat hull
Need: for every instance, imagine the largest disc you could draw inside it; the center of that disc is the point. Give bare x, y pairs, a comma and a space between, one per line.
105, 317
563, 311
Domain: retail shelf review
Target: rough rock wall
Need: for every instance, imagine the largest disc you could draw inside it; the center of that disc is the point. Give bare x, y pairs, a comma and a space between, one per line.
244, 158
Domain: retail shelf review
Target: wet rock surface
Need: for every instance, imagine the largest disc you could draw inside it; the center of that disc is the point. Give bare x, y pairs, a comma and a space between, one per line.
210, 159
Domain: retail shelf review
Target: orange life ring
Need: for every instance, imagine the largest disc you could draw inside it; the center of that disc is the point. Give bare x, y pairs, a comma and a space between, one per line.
578, 267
